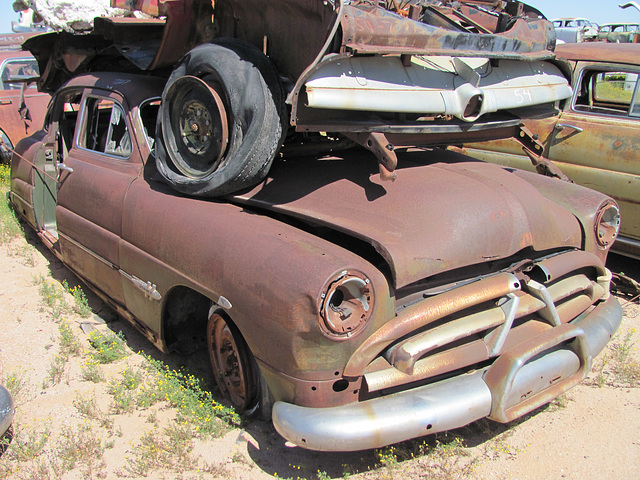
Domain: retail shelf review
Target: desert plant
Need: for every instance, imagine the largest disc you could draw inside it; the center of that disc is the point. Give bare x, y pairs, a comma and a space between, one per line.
81, 304
87, 407
108, 347
69, 344
91, 371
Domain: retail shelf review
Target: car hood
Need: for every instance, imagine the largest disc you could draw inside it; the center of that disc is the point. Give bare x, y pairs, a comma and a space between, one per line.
435, 217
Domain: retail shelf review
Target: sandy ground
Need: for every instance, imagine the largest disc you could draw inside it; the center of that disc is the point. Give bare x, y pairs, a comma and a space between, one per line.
592, 432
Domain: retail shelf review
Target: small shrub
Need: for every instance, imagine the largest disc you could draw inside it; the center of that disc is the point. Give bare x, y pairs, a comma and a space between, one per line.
56, 369
16, 384
81, 304
91, 371
169, 449
80, 448
108, 348
69, 344
88, 408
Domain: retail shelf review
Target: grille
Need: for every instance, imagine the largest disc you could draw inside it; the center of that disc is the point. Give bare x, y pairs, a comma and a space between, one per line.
474, 324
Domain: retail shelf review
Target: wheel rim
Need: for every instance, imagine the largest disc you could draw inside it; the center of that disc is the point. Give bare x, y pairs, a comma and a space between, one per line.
230, 363
195, 126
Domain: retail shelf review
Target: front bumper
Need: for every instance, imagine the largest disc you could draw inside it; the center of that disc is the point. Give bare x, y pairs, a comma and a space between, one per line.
6, 410
523, 378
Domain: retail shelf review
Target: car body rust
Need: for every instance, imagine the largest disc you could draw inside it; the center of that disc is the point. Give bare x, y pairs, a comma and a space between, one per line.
479, 291
594, 139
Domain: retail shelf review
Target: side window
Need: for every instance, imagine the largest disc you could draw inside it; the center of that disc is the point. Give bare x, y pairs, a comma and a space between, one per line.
105, 128
63, 112
148, 115
607, 92
17, 69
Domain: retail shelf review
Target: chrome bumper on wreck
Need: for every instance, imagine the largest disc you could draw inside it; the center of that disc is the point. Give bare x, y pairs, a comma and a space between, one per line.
523, 378
6, 410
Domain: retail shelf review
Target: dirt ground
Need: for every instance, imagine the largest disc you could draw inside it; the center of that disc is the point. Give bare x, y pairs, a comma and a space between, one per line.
69, 427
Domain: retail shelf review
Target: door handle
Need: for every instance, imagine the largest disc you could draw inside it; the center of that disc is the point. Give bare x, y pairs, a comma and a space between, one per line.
561, 126
62, 166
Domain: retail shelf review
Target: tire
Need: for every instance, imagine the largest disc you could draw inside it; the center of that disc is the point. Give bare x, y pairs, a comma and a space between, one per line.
234, 368
222, 120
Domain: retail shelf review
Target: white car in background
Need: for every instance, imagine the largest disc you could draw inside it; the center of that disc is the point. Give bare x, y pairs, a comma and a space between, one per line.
575, 30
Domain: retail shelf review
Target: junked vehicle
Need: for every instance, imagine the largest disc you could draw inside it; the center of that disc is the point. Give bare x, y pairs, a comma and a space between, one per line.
575, 30
381, 74
358, 312
6, 413
22, 107
594, 140
619, 33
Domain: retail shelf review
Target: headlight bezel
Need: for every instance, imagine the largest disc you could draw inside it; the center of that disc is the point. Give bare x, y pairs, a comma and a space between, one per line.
349, 291
607, 224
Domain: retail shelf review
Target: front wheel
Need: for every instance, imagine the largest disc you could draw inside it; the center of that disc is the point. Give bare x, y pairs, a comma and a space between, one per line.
234, 367
221, 122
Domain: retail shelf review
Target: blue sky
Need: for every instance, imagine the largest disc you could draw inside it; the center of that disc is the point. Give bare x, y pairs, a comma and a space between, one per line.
600, 11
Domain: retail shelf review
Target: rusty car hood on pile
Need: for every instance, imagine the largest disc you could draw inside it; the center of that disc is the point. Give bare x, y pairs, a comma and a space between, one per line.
435, 217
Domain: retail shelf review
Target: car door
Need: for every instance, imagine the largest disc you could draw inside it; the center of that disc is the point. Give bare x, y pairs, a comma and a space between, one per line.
96, 174
22, 107
596, 141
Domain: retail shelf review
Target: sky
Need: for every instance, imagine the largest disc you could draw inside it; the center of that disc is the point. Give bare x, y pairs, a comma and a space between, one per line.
598, 11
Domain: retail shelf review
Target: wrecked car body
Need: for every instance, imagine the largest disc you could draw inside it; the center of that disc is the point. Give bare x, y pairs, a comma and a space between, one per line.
594, 139
244, 78
355, 312
22, 107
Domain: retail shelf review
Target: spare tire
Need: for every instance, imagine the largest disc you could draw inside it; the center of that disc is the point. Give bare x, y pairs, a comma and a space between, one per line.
222, 119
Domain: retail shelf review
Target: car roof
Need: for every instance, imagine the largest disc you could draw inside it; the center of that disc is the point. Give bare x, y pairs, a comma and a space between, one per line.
5, 54
136, 88
627, 53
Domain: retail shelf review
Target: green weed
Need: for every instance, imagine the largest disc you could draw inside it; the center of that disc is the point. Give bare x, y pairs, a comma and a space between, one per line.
56, 369
80, 448
169, 449
81, 304
17, 385
69, 344
87, 407
91, 371
108, 348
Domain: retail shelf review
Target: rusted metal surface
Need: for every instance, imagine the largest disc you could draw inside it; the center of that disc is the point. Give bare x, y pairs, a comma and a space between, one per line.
22, 107
593, 147
466, 238
332, 192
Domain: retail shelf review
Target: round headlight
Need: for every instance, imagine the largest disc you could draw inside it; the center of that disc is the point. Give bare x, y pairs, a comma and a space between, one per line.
607, 224
346, 304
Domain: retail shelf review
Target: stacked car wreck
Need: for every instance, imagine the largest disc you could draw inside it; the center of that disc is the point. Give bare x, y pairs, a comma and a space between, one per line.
361, 303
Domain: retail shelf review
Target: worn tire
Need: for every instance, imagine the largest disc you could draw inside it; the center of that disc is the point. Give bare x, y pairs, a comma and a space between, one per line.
234, 368
244, 95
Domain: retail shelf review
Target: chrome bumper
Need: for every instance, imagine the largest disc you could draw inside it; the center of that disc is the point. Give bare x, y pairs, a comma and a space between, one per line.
529, 375
6, 410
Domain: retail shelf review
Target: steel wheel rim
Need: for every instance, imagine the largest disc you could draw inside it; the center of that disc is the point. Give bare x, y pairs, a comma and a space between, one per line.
227, 360
197, 131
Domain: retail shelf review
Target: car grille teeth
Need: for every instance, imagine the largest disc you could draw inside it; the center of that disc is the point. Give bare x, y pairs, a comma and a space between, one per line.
475, 335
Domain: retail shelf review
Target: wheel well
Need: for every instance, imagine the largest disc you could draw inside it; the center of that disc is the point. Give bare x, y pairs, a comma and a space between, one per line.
185, 320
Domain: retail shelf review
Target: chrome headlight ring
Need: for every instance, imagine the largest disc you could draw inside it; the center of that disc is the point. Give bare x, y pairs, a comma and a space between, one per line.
345, 304
607, 224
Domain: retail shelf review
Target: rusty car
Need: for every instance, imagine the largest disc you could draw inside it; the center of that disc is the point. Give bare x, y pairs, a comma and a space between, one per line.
594, 140
354, 312
575, 30
22, 106
619, 33
246, 78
